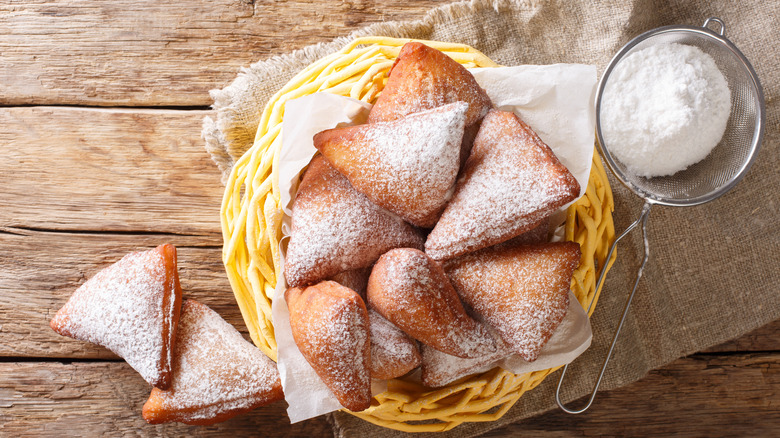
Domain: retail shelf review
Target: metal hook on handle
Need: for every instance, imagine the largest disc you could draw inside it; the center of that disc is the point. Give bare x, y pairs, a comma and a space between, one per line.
643, 220
722, 31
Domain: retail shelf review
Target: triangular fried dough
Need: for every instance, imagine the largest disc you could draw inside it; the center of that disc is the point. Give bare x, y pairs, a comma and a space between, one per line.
329, 323
438, 369
522, 292
411, 290
510, 183
131, 308
217, 374
423, 78
336, 228
393, 352
407, 166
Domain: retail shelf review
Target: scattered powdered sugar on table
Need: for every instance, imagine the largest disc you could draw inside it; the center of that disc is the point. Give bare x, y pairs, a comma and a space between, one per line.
665, 108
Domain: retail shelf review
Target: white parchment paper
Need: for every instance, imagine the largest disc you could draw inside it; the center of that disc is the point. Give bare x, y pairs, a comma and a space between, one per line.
555, 100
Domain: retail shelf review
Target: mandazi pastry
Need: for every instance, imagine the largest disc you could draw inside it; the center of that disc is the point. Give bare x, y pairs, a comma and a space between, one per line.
330, 326
423, 78
439, 369
393, 352
355, 279
412, 291
407, 166
511, 182
522, 292
132, 308
336, 228
217, 374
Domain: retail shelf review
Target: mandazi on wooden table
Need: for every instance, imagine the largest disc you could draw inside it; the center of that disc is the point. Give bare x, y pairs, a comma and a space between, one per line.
101, 106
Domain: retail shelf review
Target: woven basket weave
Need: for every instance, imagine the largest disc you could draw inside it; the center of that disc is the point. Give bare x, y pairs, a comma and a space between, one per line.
251, 217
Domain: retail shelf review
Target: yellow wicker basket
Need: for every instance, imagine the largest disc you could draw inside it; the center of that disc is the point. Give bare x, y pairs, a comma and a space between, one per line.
251, 225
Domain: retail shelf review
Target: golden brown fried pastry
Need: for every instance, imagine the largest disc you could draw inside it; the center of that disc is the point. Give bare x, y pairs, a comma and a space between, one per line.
423, 78
439, 369
510, 183
407, 166
393, 352
336, 228
538, 234
411, 291
330, 326
355, 279
522, 292
217, 374
132, 308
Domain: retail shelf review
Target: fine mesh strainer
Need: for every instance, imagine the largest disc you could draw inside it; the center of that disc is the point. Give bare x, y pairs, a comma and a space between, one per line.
705, 180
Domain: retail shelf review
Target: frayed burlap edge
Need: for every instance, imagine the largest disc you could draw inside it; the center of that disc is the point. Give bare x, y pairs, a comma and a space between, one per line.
239, 105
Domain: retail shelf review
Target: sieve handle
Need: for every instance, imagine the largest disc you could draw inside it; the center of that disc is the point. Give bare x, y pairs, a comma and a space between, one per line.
643, 220
722, 31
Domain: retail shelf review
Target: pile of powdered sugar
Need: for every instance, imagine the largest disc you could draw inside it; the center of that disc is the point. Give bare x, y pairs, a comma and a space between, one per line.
665, 108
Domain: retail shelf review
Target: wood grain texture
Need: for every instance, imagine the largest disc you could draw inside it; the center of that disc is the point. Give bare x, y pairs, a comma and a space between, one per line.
727, 395
735, 395
161, 53
105, 399
107, 170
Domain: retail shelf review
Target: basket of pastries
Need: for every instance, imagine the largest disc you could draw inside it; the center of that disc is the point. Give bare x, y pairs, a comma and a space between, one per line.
432, 237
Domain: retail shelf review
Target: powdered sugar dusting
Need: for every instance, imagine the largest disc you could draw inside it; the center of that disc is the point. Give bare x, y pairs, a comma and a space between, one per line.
335, 228
330, 326
522, 292
123, 309
439, 368
412, 291
216, 370
512, 180
407, 166
423, 78
393, 352
355, 279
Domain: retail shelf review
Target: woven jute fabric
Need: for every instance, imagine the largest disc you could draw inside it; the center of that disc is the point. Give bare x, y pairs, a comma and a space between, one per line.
712, 274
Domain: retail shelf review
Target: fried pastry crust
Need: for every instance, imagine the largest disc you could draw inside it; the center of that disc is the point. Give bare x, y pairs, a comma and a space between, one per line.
411, 291
132, 308
336, 228
217, 374
510, 183
522, 292
330, 326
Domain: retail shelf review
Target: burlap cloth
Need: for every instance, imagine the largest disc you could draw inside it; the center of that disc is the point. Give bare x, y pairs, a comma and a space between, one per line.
713, 272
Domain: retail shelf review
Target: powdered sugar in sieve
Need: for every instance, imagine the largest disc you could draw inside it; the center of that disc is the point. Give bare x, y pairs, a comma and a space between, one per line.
703, 181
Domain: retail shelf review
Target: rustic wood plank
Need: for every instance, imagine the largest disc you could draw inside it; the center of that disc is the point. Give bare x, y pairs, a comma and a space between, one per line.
105, 399
766, 338
107, 170
733, 395
152, 53
42, 269
696, 396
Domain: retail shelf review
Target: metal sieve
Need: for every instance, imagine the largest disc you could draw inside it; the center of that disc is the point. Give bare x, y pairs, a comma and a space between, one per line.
704, 181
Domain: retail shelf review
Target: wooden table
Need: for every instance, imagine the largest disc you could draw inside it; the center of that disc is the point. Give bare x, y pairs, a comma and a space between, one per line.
102, 104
